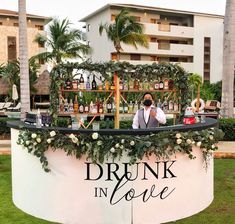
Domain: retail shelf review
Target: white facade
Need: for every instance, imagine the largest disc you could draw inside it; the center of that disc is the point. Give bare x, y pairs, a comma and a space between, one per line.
194, 40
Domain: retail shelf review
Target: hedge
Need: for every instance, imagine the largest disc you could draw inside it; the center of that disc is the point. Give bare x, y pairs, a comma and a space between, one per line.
227, 125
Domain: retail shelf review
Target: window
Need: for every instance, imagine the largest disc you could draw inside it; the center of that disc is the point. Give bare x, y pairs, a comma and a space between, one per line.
39, 27
41, 61
135, 57
11, 45
153, 58
41, 45
15, 24
153, 39
153, 21
114, 57
137, 18
207, 56
113, 17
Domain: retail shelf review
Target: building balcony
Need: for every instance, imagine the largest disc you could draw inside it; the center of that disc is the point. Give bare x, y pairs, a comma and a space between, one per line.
170, 31
154, 49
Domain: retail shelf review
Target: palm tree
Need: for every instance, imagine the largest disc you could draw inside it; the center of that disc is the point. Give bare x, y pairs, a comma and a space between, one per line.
64, 42
125, 30
24, 65
228, 60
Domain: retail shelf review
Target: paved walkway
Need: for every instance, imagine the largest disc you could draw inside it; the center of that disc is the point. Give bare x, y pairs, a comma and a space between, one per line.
226, 149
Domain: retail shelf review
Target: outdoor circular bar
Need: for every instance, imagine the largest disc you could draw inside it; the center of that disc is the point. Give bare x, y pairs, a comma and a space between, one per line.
152, 189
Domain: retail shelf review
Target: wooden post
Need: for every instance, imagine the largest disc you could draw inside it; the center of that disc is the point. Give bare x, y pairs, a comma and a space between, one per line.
198, 98
117, 100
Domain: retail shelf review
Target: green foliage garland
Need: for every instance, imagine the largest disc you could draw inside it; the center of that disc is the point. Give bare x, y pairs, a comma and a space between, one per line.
98, 148
126, 71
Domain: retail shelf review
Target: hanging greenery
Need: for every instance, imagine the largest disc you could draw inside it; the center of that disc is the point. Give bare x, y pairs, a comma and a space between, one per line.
126, 71
98, 147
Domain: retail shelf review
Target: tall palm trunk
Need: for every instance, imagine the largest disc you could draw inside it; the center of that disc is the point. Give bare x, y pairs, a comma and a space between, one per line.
24, 65
228, 60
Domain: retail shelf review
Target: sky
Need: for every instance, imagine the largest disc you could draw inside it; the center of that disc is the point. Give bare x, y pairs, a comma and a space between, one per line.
74, 10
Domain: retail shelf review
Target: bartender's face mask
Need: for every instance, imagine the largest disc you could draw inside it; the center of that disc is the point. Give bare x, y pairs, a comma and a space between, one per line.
148, 100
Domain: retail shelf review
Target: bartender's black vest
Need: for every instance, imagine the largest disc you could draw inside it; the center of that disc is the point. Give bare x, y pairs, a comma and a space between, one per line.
152, 121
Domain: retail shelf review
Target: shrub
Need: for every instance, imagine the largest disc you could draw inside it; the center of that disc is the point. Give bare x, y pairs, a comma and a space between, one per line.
3, 125
227, 125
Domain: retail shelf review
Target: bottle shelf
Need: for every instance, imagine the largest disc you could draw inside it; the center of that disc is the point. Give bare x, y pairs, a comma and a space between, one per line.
143, 91
86, 114
85, 90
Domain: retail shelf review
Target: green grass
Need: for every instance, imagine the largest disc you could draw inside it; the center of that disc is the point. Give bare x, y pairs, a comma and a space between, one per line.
221, 211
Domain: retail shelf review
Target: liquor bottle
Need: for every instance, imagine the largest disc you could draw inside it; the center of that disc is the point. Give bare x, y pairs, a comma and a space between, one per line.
145, 85
165, 105
109, 106
125, 85
136, 84
156, 85
75, 84
135, 107
61, 106
91, 107
81, 81
171, 84
106, 85
140, 86
93, 84
125, 108
101, 108
159, 103
81, 107
176, 106
166, 84
66, 106
161, 85
171, 105
95, 107
121, 107
71, 106
131, 85
130, 107
68, 84
121, 83
86, 108
151, 85
88, 84
75, 105
38, 119
112, 86
100, 86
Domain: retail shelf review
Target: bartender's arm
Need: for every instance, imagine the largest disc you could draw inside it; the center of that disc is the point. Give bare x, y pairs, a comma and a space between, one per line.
159, 115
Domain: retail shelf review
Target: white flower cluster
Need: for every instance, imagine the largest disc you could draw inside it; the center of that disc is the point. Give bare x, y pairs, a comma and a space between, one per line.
74, 139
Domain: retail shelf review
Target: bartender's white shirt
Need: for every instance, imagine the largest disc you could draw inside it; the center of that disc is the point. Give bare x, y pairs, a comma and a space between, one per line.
160, 116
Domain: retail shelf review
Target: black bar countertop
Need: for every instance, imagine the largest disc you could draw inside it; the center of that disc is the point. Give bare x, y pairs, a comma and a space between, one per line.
209, 122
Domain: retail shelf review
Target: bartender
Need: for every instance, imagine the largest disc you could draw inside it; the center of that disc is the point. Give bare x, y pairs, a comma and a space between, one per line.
149, 116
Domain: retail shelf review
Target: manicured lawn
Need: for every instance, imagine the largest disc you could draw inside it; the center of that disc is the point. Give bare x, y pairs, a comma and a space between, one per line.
221, 211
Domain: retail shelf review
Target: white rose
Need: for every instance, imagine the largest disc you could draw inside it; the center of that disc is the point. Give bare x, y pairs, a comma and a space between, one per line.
52, 133
49, 141
178, 135
132, 143
99, 143
213, 146
38, 140
75, 140
34, 135
72, 136
35, 143
95, 135
211, 137
117, 145
178, 141
27, 142
198, 144
121, 147
189, 141
112, 150
123, 141
193, 142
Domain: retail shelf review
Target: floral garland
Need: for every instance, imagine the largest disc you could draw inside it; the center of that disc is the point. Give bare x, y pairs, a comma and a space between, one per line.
98, 148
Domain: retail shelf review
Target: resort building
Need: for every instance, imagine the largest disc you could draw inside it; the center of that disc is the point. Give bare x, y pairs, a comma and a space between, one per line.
192, 39
9, 35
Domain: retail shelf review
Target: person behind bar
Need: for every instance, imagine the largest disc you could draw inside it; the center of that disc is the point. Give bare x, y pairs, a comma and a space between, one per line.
149, 116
